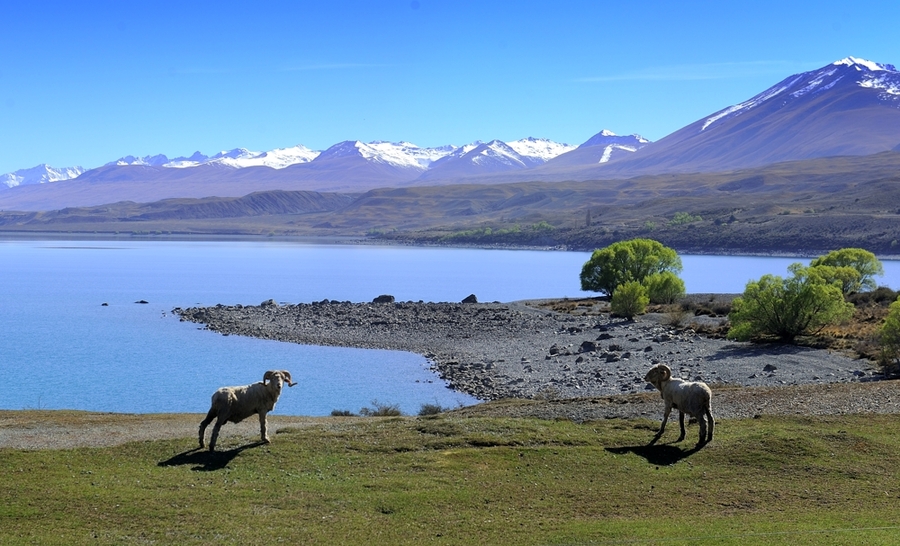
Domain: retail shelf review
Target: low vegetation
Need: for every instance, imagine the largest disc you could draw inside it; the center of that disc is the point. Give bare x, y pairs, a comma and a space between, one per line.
453, 480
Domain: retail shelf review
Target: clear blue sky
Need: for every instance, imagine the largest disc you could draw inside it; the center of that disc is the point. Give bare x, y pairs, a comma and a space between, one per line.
83, 83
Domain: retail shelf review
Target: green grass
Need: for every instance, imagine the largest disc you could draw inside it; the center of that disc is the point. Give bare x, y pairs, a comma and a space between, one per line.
446, 480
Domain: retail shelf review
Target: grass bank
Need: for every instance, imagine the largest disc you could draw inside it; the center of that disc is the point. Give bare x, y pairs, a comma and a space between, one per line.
452, 480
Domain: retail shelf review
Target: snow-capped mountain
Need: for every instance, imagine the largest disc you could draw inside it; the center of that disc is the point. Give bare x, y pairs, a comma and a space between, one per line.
539, 150
849, 107
881, 77
403, 155
237, 158
41, 174
496, 156
601, 148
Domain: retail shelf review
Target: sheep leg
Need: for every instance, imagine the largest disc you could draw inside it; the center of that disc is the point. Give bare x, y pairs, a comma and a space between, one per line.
712, 425
205, 423
215, 433
702, 422
263, 435
662, 427
681, 422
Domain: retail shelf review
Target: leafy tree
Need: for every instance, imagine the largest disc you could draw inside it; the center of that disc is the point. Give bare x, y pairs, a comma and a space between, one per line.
664, 287
629, 300
624, 261
861, 260
786, 308
847, 277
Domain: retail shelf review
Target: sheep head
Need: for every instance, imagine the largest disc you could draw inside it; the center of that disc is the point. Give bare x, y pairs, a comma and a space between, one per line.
658, 375
278, 375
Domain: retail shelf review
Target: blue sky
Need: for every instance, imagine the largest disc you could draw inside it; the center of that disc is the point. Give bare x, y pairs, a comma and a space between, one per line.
83, 83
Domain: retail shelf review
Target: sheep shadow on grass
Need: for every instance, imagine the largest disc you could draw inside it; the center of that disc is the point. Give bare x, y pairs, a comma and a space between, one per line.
205, 460
657, 454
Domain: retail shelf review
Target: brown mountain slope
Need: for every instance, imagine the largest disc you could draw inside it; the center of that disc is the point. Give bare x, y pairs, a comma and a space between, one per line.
791, 207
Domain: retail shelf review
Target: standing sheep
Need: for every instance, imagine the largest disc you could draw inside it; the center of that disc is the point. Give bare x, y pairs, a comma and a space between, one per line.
235, 404
691, 397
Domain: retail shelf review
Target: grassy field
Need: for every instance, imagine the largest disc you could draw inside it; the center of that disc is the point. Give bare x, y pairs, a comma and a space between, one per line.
451, 480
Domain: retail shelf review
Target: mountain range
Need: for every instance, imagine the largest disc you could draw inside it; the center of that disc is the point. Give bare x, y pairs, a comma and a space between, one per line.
848, 108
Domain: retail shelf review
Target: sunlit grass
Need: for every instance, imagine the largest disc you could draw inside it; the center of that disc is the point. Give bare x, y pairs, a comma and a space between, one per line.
451, 480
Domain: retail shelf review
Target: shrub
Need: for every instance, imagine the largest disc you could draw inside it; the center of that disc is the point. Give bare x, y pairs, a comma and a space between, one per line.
341, 413
625, 261
381, 410
889, 335
629, 300
787, 308
682, 218
431, 409
664, 287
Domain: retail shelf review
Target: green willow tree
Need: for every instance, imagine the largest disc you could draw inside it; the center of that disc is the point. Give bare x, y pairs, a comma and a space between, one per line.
786, 308
626, 261
863, 261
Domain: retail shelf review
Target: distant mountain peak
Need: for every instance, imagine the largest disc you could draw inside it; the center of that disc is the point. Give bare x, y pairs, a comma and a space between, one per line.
863, 63
882, 77
609, 138
40, 174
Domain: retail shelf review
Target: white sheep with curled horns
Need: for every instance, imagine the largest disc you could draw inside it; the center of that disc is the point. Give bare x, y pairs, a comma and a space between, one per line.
690, 397
234, 404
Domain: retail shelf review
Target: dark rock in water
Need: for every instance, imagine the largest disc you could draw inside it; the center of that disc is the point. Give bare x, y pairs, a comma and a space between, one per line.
104, 304
384, 298
470, 299
142, 301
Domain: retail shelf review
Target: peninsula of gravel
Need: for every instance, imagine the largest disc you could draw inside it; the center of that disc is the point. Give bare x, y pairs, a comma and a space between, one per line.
530, 350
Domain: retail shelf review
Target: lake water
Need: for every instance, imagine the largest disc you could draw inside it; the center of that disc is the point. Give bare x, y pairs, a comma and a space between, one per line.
60, 348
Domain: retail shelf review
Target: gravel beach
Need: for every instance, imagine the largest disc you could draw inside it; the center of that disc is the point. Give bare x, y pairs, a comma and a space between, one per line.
526, 350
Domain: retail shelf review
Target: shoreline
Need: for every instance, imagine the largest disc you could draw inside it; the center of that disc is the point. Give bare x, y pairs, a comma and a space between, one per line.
526, 350
14, 235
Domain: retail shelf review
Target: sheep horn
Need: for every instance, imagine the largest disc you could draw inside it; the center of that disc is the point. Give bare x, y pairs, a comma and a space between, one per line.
268, 376
667, 373
287, 375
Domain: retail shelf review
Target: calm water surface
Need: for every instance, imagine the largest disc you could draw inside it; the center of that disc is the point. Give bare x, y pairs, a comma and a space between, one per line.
62, 349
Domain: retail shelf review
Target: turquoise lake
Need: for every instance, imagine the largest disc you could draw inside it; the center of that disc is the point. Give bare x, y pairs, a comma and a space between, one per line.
63, 349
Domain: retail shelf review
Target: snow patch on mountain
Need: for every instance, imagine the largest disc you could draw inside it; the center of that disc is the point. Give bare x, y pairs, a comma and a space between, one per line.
608, 151
41, 174
540, 149
889, 86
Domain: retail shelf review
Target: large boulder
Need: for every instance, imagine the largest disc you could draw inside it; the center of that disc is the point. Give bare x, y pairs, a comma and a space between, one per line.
384, 298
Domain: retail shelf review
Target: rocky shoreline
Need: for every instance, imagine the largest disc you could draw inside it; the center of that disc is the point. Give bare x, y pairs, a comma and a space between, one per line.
528, 350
